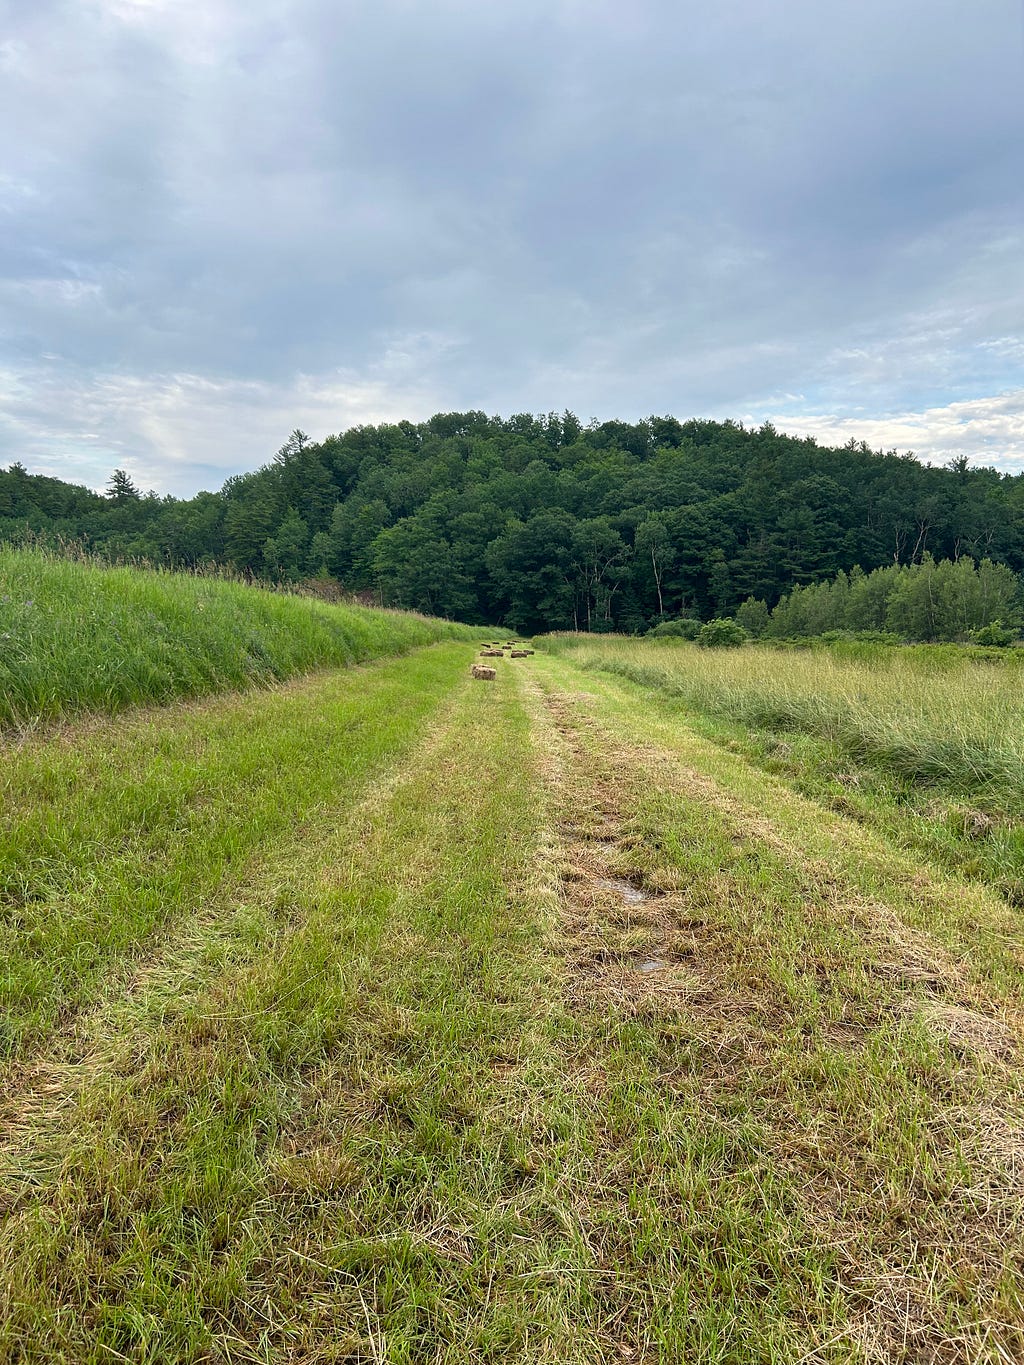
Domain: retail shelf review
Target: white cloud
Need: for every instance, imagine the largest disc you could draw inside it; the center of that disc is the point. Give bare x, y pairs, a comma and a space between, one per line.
989, 431
176, 433
223, 218
1009, 348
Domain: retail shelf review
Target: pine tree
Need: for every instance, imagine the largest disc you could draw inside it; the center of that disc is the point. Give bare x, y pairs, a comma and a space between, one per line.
120, 489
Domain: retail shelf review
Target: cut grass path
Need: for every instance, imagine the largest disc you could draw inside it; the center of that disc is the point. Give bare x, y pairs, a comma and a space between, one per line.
309, 1157
558, 1035
838, 1029
113, 829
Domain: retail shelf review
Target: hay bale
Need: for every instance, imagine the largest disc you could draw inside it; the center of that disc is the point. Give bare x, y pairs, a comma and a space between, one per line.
520, 653
492, 654
484, 673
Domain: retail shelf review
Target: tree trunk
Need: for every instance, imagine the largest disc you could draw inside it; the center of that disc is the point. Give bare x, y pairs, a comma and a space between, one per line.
657, 583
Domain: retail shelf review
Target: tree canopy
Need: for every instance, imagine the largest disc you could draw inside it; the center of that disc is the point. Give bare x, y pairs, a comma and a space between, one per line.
544, 523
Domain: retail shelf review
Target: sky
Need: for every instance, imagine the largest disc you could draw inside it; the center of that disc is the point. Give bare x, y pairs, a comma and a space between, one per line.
224, 219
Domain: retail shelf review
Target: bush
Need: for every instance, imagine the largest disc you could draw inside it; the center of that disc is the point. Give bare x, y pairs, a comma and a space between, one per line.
994, 634
722, 633
753, 616
685, 628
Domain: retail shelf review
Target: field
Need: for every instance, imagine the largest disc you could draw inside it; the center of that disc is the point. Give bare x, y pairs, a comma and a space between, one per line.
606, 1012
926, 743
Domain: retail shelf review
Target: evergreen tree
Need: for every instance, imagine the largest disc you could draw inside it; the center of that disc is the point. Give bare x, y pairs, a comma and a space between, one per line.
121, 489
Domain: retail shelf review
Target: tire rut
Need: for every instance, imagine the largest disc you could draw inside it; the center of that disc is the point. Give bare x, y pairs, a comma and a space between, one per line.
142, 993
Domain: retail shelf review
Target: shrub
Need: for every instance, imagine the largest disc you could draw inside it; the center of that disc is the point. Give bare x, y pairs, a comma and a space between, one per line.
994, 634
722, 633
685, 628
753, 616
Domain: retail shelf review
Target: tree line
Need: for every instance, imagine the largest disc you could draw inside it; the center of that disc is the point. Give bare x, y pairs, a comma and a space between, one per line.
544, 523
929, 600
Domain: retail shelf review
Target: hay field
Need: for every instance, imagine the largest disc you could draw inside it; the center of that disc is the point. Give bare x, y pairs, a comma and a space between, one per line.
389, 1014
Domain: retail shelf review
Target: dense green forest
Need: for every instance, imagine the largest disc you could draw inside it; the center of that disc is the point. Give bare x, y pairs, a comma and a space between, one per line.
547, 524
929, 600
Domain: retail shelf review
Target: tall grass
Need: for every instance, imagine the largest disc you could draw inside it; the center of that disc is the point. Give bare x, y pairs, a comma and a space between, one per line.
81, 636
925, 716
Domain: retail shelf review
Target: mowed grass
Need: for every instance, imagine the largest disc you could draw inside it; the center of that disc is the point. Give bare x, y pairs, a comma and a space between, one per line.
553, 1032
116, 830
308, 1153
924, 743
78, 636
936, 715
819, 1054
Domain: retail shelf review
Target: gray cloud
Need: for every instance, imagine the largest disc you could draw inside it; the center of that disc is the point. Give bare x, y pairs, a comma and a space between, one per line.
218, 220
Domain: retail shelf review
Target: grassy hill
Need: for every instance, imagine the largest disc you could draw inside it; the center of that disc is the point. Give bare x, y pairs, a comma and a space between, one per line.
79, 636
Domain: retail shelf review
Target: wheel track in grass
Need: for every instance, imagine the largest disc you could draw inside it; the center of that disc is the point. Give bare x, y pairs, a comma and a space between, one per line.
594, 885
900, 978
513, 1141
297, 1297
897, 921
613, 921
147, 988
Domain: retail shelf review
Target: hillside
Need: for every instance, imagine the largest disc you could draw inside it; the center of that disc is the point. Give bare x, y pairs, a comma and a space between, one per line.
82, 636
548, 524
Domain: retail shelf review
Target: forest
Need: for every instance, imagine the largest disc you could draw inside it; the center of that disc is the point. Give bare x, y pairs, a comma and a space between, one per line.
547, 524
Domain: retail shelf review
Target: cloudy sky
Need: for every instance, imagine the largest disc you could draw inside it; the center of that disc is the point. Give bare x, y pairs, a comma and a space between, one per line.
221, 219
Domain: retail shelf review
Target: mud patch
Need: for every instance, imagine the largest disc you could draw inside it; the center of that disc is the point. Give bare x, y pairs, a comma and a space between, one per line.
629, 942
631, 894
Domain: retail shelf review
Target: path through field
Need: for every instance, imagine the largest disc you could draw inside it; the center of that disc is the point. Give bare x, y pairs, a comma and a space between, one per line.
396, 1016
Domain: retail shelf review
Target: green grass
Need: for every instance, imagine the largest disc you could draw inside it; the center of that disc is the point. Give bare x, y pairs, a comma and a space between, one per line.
957, 723
927, 717
926, 743
836, 1026
307, 1136
393, 1016
122, 828
78, 636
